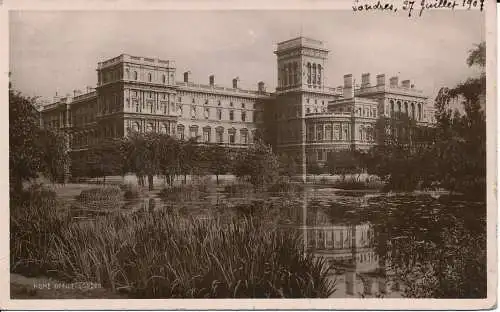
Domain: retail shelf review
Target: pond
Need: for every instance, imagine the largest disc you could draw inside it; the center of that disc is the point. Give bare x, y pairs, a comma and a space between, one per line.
369, 238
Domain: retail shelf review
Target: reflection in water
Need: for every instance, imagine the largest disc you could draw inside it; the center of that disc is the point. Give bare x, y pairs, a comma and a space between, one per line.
349, 247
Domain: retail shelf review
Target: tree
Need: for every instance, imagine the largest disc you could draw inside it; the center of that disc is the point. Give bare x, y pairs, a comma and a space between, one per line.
344, 162
219, 161
287, 165
54, 155
258, 163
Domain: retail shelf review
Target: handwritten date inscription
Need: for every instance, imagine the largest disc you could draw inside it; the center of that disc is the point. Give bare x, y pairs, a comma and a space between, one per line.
413, 7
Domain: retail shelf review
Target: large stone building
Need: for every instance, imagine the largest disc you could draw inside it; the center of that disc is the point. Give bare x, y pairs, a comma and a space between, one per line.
303, 117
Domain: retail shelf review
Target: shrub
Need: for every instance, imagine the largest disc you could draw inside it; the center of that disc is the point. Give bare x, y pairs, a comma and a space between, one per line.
105, 197
130, 191
35, 219
164, 256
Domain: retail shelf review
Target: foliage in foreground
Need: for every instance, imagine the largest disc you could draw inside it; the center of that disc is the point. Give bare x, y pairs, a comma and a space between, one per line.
164, 255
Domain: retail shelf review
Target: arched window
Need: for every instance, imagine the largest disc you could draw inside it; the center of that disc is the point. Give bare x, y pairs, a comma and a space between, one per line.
413, 110
135, 126
296, 72
150, 77
392, 108
135, 75
127, 73
361, 133
314, 73
399, 106
406, 108
219, 131
180, 132
319, 75
309, 73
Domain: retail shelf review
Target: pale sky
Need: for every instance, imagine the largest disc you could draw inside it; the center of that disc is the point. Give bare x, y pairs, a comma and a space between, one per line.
58, 51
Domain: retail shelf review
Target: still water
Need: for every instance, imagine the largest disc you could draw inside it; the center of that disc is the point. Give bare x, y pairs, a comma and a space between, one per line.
357, 232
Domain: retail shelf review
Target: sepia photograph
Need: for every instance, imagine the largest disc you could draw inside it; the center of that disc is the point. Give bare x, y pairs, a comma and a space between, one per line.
251, 154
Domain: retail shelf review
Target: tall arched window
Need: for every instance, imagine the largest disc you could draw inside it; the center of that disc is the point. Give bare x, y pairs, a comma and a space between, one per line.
150, 77
135, 75
314, 73
413, 110
319, 75
309, 73
392, 107
296, 72
406, 108
399, 106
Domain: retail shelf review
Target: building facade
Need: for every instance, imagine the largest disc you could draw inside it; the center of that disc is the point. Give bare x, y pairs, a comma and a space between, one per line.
303, 117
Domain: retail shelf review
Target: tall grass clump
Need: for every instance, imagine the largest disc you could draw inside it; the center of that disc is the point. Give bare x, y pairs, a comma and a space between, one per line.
35, 220
165, 256
105, 197
238, 188
283, 186
130, 191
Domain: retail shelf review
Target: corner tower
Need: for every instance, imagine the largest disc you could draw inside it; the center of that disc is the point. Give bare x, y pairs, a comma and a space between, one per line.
301, 64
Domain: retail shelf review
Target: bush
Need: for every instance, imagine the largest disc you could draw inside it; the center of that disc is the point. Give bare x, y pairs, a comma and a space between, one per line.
130, 191
35, 219
164, 256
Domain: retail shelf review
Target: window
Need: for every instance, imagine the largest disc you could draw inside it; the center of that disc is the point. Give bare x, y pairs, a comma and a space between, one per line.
206, 102
231, 104
307, 101
231, 115
127, 73
179, 99
179, 109
244, 137
320, 155
232, 136
150, 77
149, 127
220, 135
207, 113
180, 132
219, 103
308, 110
336, 133
206, 135
163, 78
193, 101
164, 96
135, 75
136, 106
315, 101
193, 132
193, 111
243, 116
219, 114
319, 133
310, 133
328, 132
242, 105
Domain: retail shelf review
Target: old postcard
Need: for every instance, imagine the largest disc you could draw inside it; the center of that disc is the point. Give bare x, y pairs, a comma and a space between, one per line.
338, 155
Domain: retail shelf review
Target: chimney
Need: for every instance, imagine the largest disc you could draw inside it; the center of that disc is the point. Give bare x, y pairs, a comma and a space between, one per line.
261, 86
235, 82
405, 83
211, 79
348, 86
380, 79
186, 76
365, 80
394, 81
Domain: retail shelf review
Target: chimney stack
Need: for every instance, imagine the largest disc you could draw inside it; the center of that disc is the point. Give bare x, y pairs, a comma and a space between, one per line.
235, 82
365, 80
348, 87
380, 79
211, 79
261, 86
186, 76
394, 81
405, 83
